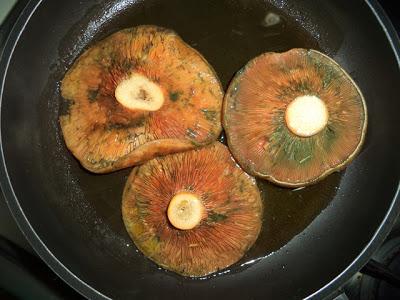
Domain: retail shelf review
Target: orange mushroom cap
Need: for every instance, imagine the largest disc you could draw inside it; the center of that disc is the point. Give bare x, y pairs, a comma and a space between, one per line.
227, 228
139, 93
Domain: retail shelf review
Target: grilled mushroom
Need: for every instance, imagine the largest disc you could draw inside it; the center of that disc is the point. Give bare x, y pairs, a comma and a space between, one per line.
194, 212
294, 117
140, 93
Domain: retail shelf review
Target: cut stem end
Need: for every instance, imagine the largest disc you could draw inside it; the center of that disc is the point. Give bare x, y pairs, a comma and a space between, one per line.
306, 115
139, 93
185, 211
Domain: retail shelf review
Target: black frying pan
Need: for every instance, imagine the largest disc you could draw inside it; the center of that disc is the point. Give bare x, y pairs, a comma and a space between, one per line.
313, 239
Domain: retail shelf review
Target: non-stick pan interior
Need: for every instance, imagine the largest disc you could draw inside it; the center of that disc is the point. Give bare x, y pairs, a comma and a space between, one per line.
309, 235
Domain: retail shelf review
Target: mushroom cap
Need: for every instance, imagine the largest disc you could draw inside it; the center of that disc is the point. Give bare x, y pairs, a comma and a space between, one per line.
231, 199
254, 117
105, 135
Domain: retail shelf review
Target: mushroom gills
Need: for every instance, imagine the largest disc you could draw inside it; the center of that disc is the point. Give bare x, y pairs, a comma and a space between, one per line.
136, 95
188, 222
314, 117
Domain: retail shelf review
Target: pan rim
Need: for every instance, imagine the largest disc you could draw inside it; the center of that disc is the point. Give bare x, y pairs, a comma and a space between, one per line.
388, 221
88, 291
11, 199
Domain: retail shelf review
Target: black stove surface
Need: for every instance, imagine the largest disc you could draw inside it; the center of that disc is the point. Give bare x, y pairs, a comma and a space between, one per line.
24, 275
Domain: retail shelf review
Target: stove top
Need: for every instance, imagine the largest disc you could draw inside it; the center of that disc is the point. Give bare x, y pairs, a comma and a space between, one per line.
25, 276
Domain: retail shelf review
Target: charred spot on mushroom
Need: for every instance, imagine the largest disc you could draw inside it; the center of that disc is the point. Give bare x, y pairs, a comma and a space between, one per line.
174, 96
92, 95
223, 222
116, 108
314, 117
65, 106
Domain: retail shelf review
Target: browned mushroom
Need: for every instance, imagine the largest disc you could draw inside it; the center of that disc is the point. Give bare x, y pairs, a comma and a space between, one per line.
194, 212
294, 117
140, 93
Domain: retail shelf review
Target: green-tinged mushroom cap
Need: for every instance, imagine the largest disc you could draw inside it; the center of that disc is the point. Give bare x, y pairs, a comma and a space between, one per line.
294, 117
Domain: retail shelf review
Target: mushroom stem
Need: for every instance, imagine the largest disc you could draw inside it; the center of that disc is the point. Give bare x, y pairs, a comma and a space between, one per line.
185, 211
137, 92
306, 115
